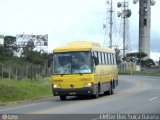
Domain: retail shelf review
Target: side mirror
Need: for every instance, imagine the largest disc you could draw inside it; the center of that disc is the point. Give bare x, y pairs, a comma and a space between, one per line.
96, 61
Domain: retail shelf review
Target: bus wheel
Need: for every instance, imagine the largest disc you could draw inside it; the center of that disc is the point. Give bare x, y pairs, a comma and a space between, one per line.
106, 93
111, 90
63, 98
96, 95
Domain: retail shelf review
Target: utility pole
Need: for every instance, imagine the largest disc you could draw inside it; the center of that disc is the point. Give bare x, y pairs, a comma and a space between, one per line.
124, 29
111, 23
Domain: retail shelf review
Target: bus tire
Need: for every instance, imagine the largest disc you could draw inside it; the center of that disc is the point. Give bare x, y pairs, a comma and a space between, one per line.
112, 87
106, 93
96, 95
113, 84
63, 97
111, 90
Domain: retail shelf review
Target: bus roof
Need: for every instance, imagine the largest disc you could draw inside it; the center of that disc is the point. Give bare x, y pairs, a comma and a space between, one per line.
83, 46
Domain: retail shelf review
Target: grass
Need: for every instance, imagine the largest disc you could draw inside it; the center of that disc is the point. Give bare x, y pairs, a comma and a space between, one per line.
12, 91
157, 74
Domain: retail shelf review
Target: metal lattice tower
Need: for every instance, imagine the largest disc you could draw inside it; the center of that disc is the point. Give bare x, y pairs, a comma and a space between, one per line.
124, 34
110, 38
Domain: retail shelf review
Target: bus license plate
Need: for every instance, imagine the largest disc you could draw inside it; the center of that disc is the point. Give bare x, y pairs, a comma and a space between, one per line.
72, 93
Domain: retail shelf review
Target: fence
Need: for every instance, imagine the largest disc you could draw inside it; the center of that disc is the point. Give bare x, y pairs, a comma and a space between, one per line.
125, 66
21, 72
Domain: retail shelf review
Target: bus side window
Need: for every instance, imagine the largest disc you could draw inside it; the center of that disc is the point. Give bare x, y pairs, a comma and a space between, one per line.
109, 61
99, 58
103, 60
92, 53
95, 54
107, 58
95, 58
115, 59
111, 57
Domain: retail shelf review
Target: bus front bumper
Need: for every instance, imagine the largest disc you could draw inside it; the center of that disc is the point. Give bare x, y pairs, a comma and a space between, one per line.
73, 91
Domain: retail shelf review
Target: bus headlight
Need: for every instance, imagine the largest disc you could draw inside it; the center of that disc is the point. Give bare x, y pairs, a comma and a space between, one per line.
56, 86
88, 85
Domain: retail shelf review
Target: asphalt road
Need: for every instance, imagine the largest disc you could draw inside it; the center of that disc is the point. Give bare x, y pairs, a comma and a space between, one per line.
134, 94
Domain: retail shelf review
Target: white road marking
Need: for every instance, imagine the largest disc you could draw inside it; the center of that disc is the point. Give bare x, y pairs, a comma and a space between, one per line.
151, 99
95, 118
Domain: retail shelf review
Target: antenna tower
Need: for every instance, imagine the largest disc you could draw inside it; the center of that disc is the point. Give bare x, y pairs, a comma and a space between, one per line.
124, 34
110, 26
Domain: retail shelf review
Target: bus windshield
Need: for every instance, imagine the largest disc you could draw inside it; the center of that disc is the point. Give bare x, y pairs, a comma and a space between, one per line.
72, 63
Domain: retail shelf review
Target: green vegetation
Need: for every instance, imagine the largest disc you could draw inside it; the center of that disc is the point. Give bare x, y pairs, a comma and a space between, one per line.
140, 73
12, 91
138, 57
20, 62
27, 54
23, 72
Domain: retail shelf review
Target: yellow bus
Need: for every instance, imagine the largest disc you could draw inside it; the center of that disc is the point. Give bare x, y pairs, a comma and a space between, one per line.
84, 68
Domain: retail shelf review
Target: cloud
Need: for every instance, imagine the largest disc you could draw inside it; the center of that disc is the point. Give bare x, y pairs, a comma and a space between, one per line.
69, 20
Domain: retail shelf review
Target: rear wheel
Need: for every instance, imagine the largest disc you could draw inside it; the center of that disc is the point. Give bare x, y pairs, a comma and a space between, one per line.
63, 98
106, 93
111, 90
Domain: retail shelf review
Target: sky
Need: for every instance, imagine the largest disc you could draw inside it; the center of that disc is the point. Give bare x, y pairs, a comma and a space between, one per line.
70, 20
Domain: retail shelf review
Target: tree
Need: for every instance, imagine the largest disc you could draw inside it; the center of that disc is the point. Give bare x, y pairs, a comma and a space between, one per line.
30, 63
149, 62
118, 56
137, 54
9, 47
136, 57
27, 48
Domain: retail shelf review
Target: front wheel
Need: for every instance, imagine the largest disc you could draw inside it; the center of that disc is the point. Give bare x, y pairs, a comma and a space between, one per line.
63, 98
96, 95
